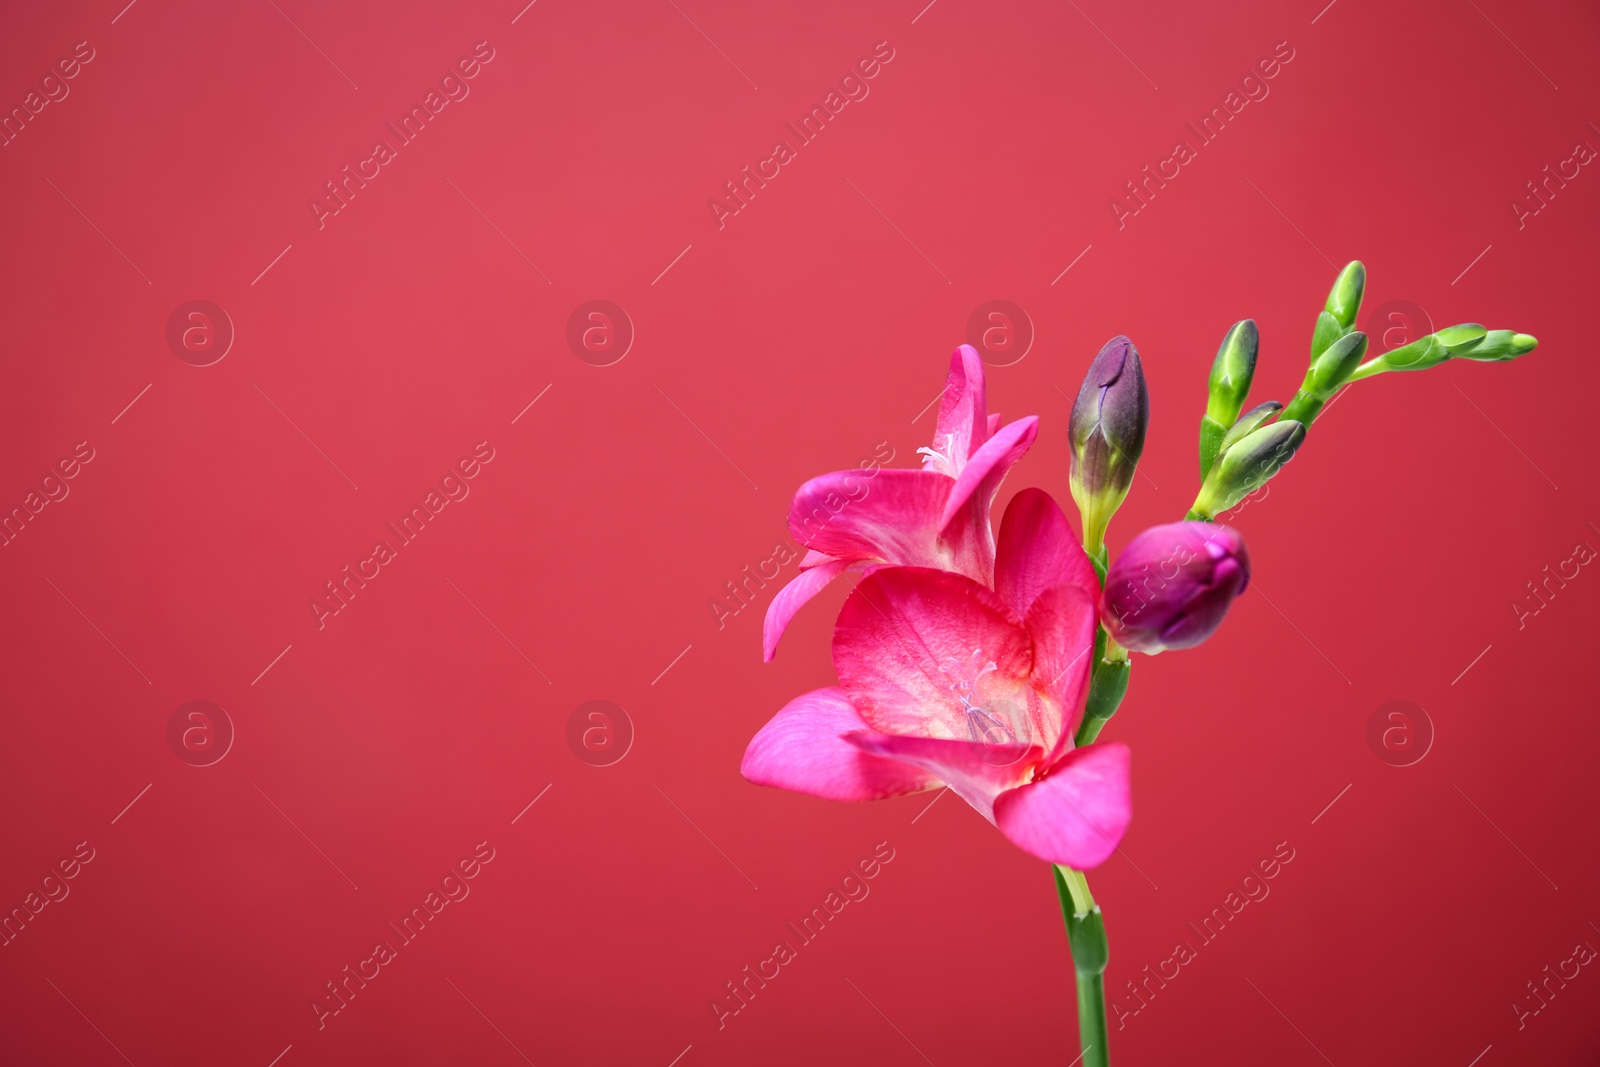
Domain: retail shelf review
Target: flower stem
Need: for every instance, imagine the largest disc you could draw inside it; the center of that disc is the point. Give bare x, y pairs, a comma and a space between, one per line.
1086, 933
1367, 370
1108, 684
1108, 670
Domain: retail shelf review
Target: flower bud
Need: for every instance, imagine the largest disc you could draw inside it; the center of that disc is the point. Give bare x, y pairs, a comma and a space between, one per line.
1420, 354
1172, 585
1498, 345
1326, 374
1231, 373
1330, 370
1232, 370
1107, 434
1246, 464
1344, 303
1249, 421
1434, 349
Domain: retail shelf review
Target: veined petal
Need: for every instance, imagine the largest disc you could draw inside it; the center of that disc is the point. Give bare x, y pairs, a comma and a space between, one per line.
1037, 550
1076, 814
929, 653
977, 772
989, 465
964, 531
803, 749
801, 588
890, 517
1062, 622
963, 419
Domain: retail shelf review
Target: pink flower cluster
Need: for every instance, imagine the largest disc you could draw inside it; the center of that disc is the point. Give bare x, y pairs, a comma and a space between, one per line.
965, 663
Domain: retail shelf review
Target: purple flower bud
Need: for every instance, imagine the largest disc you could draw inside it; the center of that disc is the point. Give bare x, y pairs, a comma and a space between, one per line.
1106, 431
1172, 585
1108, 419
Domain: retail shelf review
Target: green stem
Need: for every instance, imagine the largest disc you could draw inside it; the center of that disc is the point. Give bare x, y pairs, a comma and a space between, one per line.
1108, 684
1086, 933
1367, 370
1303, 408
1108, 673
1211, 434
1094, 542
1092, 1020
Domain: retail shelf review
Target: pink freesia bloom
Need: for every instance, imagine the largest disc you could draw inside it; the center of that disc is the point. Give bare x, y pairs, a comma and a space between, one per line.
944, 680
935, 517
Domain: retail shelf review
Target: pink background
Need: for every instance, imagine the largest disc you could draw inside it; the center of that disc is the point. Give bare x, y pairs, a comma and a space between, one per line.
378, 350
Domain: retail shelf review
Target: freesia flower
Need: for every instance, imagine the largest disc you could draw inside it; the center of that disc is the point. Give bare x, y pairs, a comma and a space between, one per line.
1173, 584
944, 680
936, 517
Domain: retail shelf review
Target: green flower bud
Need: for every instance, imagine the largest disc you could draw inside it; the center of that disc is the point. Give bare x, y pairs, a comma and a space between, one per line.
1327, 373
1327, 331
1231, 373
1247, 465
1432, 350
1344, 300
1420, 354
1454, 337
1344, 303
1248, 422
1232, 370
1498, 345
1334, 367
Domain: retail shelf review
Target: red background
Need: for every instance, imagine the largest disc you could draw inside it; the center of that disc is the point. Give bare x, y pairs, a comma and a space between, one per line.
791, 341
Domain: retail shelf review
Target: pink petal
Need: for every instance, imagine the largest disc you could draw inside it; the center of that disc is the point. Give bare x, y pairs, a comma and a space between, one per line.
994, 423
912, 647
1062, 623
801, 588
964, 524
803, 749
963, 424
1077, 814
889, 517
977, 772
1037, 550
989, 465
813, 558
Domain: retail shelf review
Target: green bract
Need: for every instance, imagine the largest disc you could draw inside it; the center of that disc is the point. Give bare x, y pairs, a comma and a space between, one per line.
1247, 465
1344, 302
1231, 373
